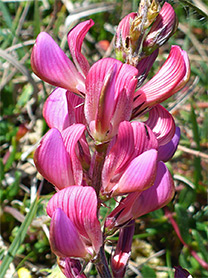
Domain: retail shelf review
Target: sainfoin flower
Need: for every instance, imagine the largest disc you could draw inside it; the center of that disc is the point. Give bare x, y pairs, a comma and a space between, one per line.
75, 230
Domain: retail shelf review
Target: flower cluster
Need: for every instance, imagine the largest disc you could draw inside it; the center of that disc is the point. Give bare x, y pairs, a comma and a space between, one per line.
96, 147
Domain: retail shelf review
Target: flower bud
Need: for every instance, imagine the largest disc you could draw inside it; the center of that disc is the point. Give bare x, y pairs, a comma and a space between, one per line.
162, 29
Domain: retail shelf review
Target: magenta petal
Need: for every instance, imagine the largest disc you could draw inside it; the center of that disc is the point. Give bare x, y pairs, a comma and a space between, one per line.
112, 84
123, 31
53, 161
139, 175
162, 124
144, 66
64, 238
158, 195
121, 153
173, 75
162, 29
144, 138
63, 108
50, 63
71, 136
55, 110
166, 151
80, 205
75, 39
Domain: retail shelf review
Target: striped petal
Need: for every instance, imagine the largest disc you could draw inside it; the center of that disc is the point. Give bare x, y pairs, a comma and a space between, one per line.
53, 161
140, 203
162, 29
75, 39
173, 75
80, 205
132, 140
158, 195
109, 94
139, 175
50, 63
162, 124
64, 238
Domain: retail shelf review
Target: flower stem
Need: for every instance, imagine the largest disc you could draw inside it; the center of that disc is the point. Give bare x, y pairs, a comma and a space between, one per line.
102, 265
98, 166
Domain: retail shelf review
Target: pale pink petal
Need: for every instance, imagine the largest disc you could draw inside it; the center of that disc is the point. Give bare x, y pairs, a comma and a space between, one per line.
139, 175
65, 240
173, 75
166, 151
158, 195
71, 136
162, 124
122, 254
75, 39
80, 205
162, 29
53, 161
50, 63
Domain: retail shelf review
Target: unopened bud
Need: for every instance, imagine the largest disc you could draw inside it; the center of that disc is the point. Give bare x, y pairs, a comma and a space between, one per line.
161, 30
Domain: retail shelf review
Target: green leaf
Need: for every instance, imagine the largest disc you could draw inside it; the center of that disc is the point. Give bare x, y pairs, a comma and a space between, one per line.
6, 15
201, 243
183, 222
13, 249
36, 19
148, 272
197, 160
187, 197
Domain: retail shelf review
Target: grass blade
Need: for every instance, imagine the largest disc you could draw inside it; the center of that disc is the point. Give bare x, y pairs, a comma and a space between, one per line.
12, 251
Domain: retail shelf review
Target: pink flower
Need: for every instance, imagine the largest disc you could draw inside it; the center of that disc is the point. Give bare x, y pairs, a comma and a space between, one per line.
140, 203
60, 156
110, 87
75, 230
51, 64
131, 161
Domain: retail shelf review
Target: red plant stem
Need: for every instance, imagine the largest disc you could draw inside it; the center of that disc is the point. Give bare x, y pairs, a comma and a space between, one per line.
169, 215
98, 166
102, 265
